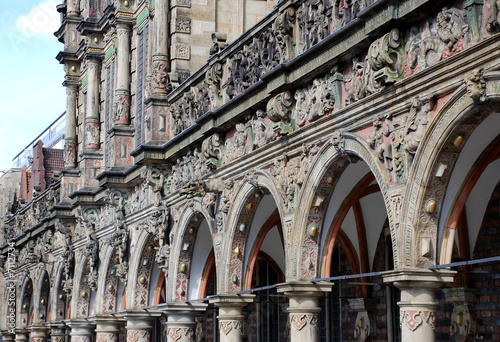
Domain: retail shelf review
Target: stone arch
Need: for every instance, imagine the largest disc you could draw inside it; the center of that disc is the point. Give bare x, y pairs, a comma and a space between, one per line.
80, 303
41, 297
186, 232
443, 141
58, 297
486, 165
141, 263
107, 287
247, 197
25, 301
326, 169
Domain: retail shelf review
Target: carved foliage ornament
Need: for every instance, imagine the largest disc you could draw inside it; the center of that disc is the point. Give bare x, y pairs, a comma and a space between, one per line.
386, 58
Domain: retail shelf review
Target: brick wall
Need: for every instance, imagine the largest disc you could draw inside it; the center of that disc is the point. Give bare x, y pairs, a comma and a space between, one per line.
53, 161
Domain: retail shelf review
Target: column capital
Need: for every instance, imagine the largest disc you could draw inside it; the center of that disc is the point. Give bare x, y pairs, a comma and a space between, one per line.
418, 277
21, 335
304, 288
231, 300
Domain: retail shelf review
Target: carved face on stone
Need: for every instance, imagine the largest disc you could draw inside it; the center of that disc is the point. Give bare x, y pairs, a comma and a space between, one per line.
475, 85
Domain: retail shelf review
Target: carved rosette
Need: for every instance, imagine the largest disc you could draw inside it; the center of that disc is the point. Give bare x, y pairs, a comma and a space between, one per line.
92, 133
70, 153
160, 74
121, 107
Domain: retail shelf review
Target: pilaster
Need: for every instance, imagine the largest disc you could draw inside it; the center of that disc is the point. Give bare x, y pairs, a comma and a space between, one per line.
418, 305
181, 321
231, 318
92, 126
304, 308
70, 144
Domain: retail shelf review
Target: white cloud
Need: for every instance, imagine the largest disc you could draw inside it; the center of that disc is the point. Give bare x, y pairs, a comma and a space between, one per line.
41, 22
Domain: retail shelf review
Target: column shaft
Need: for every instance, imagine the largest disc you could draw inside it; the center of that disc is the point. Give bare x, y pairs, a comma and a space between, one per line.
160, 57
73, 7
139, 327
417, 305
231, 318
304, 308
70, 143
107, 329
93, 125
121, 110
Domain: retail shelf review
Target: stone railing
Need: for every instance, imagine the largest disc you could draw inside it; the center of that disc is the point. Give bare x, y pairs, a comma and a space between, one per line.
32, 213
291, 29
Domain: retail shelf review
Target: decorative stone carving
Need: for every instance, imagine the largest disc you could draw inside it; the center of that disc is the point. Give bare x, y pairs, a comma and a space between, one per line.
415, 318
181, 51
236, 146
158, 223
314, 101
440, 37
307, 155
122, 271
90, 251
494, 18
162, 257
463, 318
313, 18
213, 150
361, 81
283, 30
476, 85
262, 131
87, 220
383, 149
121, 108
248, 64
365, 327
219, 39
416, 124
213, 78
160, 74
338, 141
183, 25
154, 179
386, 58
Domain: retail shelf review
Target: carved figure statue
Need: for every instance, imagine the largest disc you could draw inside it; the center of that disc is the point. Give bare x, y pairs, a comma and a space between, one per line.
476, 85
494, 18
383, 149
416, 125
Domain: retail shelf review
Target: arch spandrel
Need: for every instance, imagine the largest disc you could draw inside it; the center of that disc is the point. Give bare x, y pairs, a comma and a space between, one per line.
315, 194
246, 199
461, 113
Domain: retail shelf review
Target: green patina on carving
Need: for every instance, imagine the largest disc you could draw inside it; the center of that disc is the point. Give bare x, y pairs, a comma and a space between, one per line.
85, 81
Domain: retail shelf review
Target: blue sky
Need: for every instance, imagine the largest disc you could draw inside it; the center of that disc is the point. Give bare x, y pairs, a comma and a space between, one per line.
31, 94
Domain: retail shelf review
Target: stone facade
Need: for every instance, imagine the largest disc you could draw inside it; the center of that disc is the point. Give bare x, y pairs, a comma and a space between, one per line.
289, 170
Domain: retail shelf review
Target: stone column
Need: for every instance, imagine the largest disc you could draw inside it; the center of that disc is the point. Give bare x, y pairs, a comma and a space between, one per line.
92, 127
417, 305
57, 332
107, 329
73, 7
81, 330
231, 318
22, 335
304, 308
139, 326
160, 56
38, 333
121, 109
181, 321
70, 142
